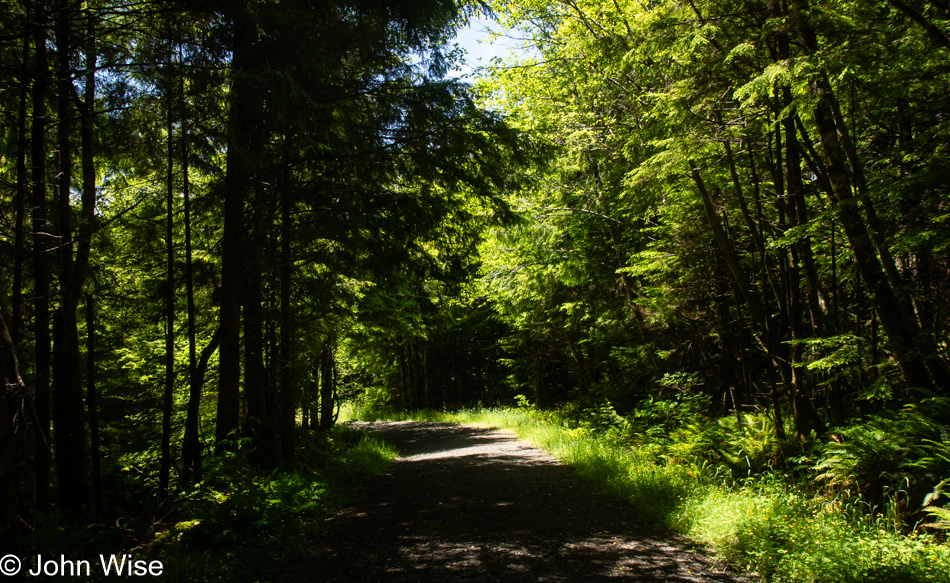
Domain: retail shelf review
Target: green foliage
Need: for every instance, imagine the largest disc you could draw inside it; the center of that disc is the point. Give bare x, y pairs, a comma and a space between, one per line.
889, 453
240, 522
941, 515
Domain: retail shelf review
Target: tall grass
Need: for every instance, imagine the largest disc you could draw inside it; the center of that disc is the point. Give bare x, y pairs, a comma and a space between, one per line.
763, 524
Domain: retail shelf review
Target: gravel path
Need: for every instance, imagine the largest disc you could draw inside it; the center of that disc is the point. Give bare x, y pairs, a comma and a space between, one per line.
474, 504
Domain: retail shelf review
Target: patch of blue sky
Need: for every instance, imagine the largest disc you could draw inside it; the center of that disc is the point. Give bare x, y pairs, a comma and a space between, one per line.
481, 48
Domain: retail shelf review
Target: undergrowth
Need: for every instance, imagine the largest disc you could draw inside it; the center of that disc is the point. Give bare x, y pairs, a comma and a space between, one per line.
780, 522
240, 522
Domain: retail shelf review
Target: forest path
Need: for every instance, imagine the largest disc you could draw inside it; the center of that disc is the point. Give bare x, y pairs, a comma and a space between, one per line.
475, 504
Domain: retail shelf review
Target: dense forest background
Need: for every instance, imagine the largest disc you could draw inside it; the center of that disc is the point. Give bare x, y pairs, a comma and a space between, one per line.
220, 221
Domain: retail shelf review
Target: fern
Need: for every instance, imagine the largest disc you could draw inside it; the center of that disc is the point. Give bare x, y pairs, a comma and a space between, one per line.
880, 454
941, 515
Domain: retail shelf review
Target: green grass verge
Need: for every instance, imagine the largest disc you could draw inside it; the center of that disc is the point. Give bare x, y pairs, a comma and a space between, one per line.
765, 525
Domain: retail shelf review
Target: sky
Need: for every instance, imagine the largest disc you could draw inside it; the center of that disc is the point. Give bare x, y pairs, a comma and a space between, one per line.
474, 39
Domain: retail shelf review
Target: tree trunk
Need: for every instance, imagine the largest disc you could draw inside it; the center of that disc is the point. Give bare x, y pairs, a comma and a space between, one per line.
729, 380
255, 381
903, 333
91, 398
777, 351
806, 419
313, 392
327, 381
84, 249
22, 189
87, 222
42, 243
9, 435
191, 448
169, 393
68, 422
235, 184
288, 389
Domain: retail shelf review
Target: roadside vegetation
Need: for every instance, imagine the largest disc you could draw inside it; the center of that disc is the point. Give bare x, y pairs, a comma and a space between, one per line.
791, 512
241, 523
238, 523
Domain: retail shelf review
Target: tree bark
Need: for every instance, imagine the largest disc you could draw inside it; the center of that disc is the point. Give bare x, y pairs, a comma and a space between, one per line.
326, 384
288, 388
87, 221
168, 396
22, 189
255, 383
191, 448
191, 445
14, 390
91, 398
235, 185
83, 251
68, 422
42, 243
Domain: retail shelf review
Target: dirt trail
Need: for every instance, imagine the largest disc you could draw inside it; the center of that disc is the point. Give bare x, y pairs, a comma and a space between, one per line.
474, 504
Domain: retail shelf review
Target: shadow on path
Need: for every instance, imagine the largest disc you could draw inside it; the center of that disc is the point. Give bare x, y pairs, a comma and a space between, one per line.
473, 504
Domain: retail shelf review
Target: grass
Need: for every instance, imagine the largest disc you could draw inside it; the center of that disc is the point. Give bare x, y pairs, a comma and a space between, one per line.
763, 524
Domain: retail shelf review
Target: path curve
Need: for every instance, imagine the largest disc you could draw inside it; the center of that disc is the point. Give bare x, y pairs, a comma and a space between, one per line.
474, 504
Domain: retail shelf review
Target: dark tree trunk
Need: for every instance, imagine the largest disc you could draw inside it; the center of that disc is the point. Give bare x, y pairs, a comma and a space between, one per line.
9, 479
255, 381
87, 223
806, 419
313, 392
22, 189
168, 397
235, 185
13, 390
727, 376
191, 448
91, 398
68, 422
42, 243
771, 338
427, 383
83, 251
288, 389
327, 389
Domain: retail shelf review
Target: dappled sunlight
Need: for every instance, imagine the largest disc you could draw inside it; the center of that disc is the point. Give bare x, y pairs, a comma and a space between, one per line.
477, 504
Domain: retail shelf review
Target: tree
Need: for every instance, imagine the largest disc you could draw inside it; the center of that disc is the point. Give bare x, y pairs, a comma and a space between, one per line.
674, 124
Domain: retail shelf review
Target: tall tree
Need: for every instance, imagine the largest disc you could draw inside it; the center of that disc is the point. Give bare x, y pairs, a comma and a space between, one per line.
68, 419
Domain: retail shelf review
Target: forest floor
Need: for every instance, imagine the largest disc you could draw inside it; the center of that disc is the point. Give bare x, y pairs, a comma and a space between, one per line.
476, 504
